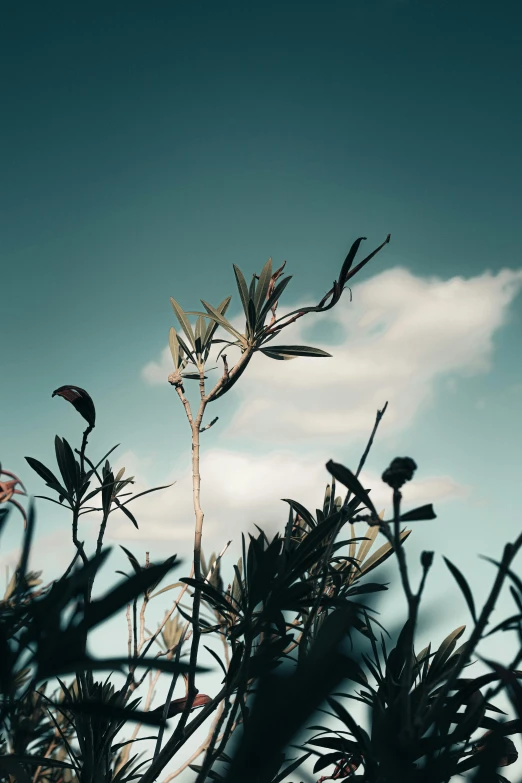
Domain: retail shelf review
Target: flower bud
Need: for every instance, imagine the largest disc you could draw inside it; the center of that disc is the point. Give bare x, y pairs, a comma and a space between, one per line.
400, 471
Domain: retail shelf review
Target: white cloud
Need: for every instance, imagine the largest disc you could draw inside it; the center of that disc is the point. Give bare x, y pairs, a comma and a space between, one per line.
241, 490
428, 329
402, 335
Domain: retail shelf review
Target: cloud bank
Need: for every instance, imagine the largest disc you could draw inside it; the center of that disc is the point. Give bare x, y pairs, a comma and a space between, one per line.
400, 337
402, 334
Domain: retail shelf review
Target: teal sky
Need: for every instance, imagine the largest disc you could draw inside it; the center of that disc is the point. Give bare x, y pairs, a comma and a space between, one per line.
146, 147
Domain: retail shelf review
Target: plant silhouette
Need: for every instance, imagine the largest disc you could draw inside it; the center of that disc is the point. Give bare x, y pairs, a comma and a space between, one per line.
296, 618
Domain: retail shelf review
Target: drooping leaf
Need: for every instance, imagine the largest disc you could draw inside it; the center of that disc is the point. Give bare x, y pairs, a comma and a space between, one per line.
127, 513
132, 560
348, 261
81, 401
302, 511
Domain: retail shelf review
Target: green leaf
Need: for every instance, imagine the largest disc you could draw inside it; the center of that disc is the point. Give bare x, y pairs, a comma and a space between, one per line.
127, 513
348, 261
212, 595
262, 285
174, 346
423, 512
251, 319
285, 352
272, 299
44, 473
182, 318
146, 492
290, 768
187, 350
168, 587
382, 554
107, 489
464, 586
222, 321
132, 560
97, 611
242, 288
446, 648
212, 325
365, 546
302, 511
66, 469
252, 289
351, 482
101, 709
199, 336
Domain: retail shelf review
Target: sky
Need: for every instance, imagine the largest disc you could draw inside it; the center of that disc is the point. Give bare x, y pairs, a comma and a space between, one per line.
147, 147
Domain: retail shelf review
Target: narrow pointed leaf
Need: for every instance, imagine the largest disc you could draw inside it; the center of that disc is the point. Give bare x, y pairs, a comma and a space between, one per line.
348, 261
44, 473
423, 512
199, 335
212, 325
187, 350
222, 321
174, 346
185, 324
262, 285
382, 554
464, 586
446, 648
351, 482
291, 351
273, 298
242, 288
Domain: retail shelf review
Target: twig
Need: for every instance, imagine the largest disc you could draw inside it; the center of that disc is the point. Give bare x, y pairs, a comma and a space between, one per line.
208, 426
